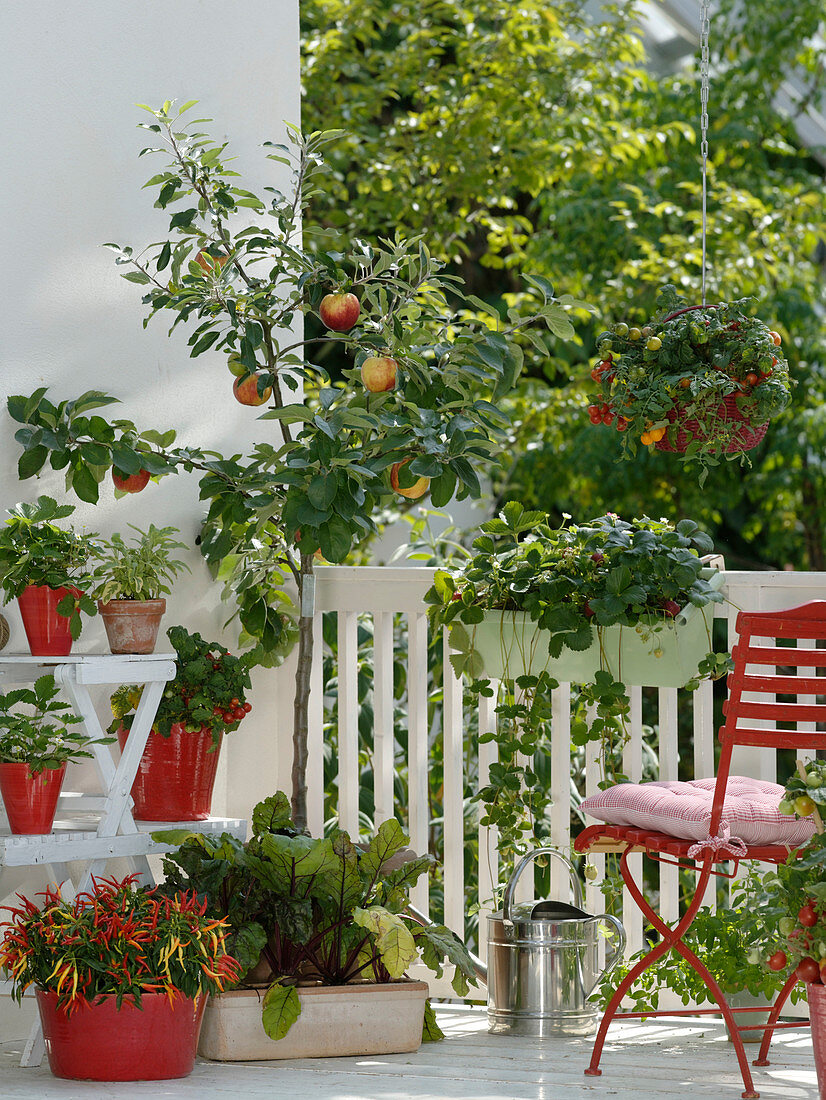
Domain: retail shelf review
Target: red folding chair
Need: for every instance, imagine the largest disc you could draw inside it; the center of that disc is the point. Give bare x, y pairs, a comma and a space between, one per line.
765, 653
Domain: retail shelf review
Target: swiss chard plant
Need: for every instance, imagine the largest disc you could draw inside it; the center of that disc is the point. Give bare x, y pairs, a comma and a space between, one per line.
311, 911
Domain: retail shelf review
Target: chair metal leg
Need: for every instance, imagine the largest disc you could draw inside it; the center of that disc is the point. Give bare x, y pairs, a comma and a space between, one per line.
672, 940
762, 1058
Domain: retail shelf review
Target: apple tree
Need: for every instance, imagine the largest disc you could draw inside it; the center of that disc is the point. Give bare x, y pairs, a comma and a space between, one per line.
416, 408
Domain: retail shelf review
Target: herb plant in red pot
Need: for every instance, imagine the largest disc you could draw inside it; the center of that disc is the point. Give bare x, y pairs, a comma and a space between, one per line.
121, 976
36, 742
44, 566
205, 700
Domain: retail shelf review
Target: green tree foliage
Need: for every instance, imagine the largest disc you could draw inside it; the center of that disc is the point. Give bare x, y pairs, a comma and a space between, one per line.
531, 137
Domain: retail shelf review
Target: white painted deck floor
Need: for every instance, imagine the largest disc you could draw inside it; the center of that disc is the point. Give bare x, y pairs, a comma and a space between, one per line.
648, 1060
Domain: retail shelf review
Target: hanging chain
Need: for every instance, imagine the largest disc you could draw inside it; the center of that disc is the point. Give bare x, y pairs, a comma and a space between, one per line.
705, 26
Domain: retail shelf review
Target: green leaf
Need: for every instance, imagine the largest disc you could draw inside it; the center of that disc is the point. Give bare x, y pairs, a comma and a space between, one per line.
281, 1009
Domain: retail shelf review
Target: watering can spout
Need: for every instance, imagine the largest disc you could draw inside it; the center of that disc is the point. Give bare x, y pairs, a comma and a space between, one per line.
479, 968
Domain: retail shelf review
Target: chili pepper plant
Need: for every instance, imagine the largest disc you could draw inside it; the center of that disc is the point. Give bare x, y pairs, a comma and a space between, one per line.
207, 692
115, 940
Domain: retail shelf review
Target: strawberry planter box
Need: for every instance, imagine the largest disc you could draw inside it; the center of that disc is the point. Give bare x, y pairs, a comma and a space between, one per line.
510, 644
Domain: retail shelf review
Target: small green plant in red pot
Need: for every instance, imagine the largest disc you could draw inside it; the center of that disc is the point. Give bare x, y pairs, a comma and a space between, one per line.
36, 743
121, 976
130, 582
205, 700
44, 566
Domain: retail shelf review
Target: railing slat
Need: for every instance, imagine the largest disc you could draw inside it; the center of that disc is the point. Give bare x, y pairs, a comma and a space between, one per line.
315, 738
669, 762
418, 747
454, 830
348, 766
561, 786
384, 744
488, 869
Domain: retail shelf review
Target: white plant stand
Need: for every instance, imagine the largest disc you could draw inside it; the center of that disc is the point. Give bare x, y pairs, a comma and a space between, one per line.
116, 835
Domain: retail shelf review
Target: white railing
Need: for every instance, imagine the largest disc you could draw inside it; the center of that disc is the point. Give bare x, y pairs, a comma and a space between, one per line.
385, 592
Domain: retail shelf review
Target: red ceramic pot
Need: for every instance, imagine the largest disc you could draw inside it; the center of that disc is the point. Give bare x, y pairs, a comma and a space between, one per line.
101, 1042
175, 776
816, 994
47, 632
30, 800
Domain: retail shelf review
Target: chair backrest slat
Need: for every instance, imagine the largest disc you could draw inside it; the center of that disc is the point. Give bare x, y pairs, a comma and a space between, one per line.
760, 671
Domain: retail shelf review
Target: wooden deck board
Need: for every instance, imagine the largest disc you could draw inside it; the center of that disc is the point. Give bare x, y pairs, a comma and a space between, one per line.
650, 1060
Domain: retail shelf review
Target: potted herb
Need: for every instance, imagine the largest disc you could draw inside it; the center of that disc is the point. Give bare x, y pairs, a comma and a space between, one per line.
702, 381
319, 926
44, 566
205, 700
36, 743
604, 604
121, 976
130, 582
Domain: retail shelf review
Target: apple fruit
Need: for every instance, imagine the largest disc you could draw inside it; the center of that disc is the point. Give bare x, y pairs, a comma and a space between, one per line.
412, 492
339, 312
235, 365
209, 263
378, 373
246, 390
130, 483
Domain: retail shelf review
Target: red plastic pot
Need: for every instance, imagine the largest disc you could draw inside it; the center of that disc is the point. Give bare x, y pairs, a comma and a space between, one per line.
175, 776
47, 632
30, 800
816, 994
101, 1042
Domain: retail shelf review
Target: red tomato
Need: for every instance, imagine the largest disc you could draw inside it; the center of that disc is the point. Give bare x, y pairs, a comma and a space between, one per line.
777, 961
229, 718
596, 374
752, 379
807, 916
235, 702
595, 414
608, 418
622, 423
808, 970
239, 713
247, 708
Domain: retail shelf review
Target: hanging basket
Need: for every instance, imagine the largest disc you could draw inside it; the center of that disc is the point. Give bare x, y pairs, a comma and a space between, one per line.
744, 437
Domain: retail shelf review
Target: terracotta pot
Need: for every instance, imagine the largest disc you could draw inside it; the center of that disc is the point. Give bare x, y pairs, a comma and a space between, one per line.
745, 437
47, 632
336, 1021
175, 776
30, 800
816, 994
101, 1042
132, 625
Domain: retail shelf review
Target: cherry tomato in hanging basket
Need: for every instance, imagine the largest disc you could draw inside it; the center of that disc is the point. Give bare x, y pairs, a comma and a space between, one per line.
622, 424
803, 805
608, 418
807, 916
776, 338
777, 961
595, 414
808, 970
752, 379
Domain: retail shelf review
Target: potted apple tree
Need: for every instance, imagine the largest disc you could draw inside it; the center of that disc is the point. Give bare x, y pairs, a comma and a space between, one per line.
414, 407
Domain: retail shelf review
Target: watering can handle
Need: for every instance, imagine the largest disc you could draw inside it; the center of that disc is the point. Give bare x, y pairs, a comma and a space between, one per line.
520, 867
618, 954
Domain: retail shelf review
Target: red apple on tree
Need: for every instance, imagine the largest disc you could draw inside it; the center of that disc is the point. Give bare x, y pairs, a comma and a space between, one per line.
378, 373
130, 483
246, 390
412, 492
339, 312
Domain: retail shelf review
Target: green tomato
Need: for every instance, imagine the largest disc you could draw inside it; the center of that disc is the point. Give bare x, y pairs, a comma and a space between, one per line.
803, 805
621, 329
813, 780
787, 925
786, 807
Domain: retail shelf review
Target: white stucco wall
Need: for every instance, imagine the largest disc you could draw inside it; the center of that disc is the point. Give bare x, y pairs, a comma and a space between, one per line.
72, 72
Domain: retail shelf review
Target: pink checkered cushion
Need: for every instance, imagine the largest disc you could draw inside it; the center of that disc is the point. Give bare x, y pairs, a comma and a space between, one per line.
684, 810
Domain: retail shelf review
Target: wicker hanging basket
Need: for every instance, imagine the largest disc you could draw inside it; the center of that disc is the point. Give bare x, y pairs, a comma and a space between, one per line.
742, 438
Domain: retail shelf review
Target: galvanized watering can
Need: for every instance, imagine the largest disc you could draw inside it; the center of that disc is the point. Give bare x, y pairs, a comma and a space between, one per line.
543, 962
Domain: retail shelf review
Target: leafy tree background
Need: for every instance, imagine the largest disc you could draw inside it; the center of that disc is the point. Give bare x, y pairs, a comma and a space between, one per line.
534, 137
